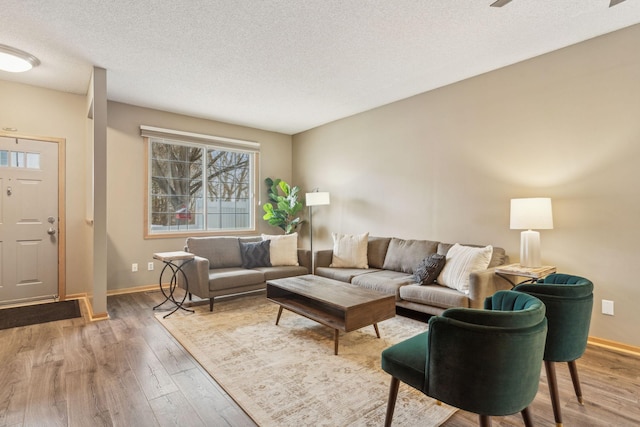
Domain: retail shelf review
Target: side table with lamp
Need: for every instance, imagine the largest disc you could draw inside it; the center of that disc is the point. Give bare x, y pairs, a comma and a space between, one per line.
528, 214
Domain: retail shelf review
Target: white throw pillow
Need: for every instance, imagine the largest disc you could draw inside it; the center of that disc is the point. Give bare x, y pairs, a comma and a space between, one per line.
461, 261
283, 249
350, 250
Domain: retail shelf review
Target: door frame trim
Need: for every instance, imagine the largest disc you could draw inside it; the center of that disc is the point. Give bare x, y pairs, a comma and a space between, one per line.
62, 187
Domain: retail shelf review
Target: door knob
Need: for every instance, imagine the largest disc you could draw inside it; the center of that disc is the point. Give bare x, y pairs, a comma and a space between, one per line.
51, 231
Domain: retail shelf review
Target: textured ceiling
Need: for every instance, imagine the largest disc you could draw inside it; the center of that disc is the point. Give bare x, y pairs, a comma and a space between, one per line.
287, 65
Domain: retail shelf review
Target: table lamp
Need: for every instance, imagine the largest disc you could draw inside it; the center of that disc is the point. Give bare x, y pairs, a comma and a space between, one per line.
529, 214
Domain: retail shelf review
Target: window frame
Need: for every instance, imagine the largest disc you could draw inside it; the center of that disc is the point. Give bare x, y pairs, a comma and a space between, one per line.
205, 142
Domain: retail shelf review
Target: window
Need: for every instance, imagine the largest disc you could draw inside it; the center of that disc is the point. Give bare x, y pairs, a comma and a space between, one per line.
19, 159
199, 187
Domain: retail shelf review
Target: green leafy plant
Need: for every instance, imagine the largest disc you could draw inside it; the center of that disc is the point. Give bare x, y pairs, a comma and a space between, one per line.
283, 208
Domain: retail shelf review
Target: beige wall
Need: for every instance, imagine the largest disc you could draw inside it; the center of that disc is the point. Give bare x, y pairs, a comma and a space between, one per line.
444, 164
47, 113
42, 112
126, 184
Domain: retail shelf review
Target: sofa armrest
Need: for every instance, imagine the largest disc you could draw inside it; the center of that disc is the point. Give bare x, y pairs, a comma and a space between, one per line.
483, 284
304, 259
197, 273
323, 258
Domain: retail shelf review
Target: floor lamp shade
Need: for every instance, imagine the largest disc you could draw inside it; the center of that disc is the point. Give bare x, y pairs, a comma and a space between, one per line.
529, 214
318, 198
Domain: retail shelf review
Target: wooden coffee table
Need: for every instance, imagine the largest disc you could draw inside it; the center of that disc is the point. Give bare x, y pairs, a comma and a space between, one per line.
338, 305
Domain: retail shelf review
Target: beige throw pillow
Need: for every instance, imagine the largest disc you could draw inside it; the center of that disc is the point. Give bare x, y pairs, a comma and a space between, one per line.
350, 250
283, 249
461, 261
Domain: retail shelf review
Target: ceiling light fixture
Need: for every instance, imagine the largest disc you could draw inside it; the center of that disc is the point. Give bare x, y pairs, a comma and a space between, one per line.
15, 60
499, 3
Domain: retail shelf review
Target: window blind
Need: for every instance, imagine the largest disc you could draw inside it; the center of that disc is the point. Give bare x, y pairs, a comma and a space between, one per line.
218, 141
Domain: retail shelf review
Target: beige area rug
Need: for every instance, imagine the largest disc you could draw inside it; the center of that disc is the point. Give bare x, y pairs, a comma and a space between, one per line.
287, 375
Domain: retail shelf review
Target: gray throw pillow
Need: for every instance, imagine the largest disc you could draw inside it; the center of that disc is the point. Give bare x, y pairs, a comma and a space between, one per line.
255, 254
429, 268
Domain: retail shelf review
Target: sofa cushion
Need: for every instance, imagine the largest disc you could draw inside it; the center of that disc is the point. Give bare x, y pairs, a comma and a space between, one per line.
283, 249
249, 239
377, 250
429, 268
405, 255
279, 272
255, 254
222, 252
498, 257
385, 281
461, 261
343, 274
229, 278
349, 250
434, 295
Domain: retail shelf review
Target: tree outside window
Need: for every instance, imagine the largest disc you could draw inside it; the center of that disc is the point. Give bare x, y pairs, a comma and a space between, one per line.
184, 199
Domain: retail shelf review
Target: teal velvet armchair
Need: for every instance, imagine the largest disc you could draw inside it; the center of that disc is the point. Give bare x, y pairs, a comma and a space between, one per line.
569, 302
483, 361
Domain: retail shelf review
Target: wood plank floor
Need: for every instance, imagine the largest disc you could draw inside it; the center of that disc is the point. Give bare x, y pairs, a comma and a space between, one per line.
128, 371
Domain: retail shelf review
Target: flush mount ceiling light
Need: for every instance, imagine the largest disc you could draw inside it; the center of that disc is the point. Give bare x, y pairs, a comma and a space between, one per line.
500, 3
16, 61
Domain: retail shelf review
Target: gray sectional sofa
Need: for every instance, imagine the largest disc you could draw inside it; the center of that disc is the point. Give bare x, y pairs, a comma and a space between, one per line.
391, 263
217, 268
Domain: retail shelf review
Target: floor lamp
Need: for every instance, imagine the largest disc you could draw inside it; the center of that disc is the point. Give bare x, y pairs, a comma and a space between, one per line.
528, 214
317, 198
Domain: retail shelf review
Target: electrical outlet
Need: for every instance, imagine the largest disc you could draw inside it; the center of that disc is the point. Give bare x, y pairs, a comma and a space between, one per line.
607, 307
150, 266
134, 267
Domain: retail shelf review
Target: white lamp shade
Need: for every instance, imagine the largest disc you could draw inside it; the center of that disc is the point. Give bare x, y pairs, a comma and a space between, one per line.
531, 214
317, 198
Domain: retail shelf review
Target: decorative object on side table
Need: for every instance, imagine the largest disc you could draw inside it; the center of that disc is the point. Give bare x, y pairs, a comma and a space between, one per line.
174, 261
512, 271
529, 214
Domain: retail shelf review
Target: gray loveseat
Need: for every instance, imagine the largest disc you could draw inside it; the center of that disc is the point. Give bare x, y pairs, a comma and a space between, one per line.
217, 268
391, 264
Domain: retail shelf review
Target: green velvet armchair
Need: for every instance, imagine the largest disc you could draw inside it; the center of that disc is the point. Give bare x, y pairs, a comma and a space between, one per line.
483, 361
569, 302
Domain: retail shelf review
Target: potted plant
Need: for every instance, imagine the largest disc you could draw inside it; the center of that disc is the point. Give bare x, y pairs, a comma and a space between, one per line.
283, 208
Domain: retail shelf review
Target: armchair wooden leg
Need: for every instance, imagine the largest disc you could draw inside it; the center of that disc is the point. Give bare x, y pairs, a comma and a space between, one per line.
553, 391
190, 297
391, 404
573, 370
485, 420
210, 304
526, 417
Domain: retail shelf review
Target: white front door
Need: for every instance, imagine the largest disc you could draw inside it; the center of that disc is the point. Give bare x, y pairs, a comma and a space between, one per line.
28, 220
